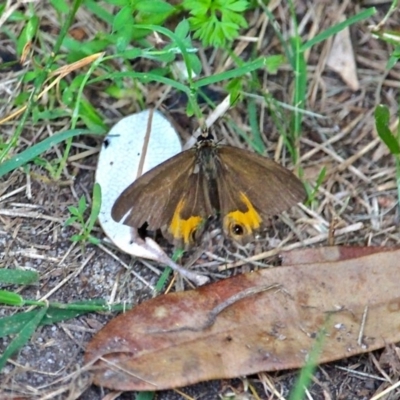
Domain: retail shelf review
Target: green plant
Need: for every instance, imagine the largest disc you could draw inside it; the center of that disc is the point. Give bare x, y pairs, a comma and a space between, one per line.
22, 325
216, 22
294, 50
78, 216
382, 113
304, 378
392, 140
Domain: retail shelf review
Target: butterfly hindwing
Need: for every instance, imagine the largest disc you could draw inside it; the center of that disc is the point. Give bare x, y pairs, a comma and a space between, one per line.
251, 189
189, 214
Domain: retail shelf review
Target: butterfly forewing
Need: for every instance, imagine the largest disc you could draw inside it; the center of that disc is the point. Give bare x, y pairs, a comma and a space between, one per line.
271, 187
149, 197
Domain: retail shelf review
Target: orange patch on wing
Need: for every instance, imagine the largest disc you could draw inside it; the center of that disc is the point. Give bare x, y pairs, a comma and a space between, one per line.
183, 228
249, 219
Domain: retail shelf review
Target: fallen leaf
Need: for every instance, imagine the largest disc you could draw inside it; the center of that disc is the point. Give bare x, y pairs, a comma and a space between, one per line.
390, 357
261, 321
329, 253
341, 59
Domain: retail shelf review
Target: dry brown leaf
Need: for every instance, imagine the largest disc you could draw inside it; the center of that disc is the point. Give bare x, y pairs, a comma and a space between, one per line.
182, 338
329, 253
390, 357
341, 59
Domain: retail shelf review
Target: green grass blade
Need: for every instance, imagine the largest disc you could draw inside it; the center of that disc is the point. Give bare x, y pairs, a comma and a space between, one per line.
39, 81
18, 276
299, 95
175, 39
234, 73
144, 77
14, 323
382, 120
338, 27
23, 336
11, 298
257, 141
29, 154
306, 373
96, 205
145, 396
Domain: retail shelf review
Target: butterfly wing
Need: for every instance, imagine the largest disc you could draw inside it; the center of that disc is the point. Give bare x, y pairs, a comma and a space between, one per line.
146, 199
176, 195
171, 196
251, 189
189, 214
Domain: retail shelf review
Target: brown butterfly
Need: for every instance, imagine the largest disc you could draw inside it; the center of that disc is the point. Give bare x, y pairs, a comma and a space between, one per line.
180, 194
